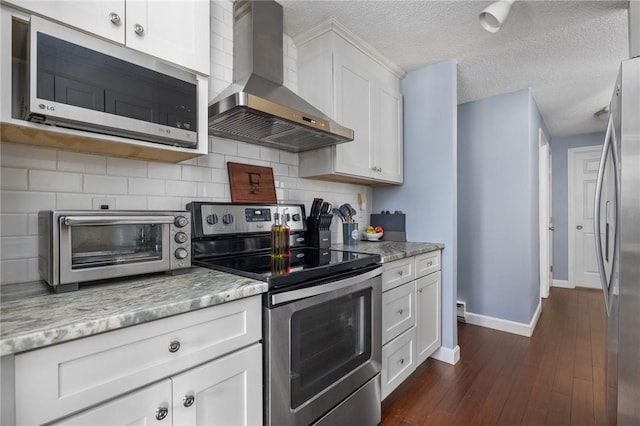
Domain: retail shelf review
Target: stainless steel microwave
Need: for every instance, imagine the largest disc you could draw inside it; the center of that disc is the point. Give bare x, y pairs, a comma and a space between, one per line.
80, 81
80, 246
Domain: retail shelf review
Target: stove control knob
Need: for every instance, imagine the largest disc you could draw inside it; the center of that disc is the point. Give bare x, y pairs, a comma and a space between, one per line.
181, 221
212, 219
227, 219
181, 253
296, 217
180, 237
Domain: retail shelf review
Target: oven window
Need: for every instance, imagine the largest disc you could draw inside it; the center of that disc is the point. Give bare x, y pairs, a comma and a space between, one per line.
328, 341
93, 246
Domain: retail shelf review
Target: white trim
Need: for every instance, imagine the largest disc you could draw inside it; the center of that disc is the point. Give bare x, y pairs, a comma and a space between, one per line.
544, 213
562, 284
332, 24
448, 355
513, 327
571, 152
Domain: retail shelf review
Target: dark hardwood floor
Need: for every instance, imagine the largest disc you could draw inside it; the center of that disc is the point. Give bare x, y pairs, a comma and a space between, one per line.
556, 377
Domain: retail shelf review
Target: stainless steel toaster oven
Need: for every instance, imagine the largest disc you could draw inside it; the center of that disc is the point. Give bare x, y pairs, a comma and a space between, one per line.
82, 246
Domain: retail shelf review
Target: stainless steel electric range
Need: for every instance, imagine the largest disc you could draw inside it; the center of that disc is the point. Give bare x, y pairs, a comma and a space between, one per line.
322, 313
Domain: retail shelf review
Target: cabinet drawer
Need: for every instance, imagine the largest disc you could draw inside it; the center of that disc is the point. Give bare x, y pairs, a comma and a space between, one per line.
427, 263
71, 376
398, 361
397, 273
398, 310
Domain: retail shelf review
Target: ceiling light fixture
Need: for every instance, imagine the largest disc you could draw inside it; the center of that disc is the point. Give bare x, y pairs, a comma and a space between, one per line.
492, 17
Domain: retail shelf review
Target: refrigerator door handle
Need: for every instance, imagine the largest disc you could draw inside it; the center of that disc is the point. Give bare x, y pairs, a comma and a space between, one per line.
596, 214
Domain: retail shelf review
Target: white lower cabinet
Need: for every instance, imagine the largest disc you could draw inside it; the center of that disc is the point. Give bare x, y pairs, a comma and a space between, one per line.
410, 316
201, 367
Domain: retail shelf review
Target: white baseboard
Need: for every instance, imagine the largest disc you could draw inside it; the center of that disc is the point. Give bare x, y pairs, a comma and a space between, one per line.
513, 327
562, 284
448, 355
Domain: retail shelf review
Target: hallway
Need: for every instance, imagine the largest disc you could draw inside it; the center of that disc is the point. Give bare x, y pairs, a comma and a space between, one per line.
556, 377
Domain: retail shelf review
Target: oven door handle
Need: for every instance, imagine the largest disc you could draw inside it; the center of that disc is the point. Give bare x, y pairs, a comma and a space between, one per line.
115, 220
290, 296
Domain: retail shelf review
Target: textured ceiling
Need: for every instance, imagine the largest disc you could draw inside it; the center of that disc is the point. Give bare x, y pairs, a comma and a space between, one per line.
567, 52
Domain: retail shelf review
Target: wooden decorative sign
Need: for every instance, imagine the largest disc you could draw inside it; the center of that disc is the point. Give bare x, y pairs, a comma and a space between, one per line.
251, 184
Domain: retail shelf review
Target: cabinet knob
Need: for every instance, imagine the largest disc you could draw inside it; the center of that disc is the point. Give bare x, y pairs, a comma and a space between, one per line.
161, 413
400, 272
400, 311
188, 400
114, 18
401, 361
429, 263
138, 29
420, 290
174, 346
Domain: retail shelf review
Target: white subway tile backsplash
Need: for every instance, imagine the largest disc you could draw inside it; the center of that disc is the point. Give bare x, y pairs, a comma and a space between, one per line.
66, 201
28, 156
248, 151
280, 169
32, 223
81, 162
26, 202
165, 203
212, 160
12, 224
217, 42
293, 171
19, 247
220, 176
138, 186
211, 190
33, 273
181, 188
11, 178
164, 170
198, 174
289, 158
269, 154
13, 271
126, 167
215, 10
43, 180
223, 146
131, 202
105, 184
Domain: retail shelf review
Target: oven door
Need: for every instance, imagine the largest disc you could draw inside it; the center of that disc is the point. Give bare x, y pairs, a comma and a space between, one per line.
100, 247
322, 344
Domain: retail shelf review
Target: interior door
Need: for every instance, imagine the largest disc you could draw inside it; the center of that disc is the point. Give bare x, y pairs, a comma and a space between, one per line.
545, 225
583, 171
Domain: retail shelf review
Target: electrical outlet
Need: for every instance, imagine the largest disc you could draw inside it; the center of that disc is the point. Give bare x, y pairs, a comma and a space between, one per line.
103, 203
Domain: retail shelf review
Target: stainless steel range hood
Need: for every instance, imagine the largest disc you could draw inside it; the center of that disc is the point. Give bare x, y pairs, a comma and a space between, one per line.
257, 108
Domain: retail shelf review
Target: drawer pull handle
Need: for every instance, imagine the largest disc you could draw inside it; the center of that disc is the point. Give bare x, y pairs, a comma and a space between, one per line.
174, 346
429, 263
188, 400
400, 273
420, 290
161, 413
401, 361
400, 311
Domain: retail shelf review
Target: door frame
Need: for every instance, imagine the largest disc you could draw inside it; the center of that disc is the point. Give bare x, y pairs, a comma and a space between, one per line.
545, 237
570, 210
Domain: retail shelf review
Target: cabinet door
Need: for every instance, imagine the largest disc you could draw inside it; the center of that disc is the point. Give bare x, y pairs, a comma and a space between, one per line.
174, 30
104, 18
142, 407
388, 135
428, 315
353, 95
227, 391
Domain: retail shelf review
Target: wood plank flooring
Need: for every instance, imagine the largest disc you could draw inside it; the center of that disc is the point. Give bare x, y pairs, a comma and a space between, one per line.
556, 377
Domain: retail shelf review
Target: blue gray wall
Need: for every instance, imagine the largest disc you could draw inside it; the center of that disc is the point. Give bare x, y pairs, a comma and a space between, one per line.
498, 206
560, 198
428, 195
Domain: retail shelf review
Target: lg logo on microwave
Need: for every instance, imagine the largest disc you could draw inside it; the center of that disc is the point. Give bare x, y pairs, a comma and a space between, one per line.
47, 107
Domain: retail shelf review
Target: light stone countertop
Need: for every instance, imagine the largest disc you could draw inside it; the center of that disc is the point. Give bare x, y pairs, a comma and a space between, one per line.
391, 250
32, 316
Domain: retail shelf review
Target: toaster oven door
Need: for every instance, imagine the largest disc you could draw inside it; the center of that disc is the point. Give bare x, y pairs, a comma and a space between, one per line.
99, 247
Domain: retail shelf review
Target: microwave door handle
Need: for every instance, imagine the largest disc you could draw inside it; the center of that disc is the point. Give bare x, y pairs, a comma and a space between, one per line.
596, 214
290, 296
115, 220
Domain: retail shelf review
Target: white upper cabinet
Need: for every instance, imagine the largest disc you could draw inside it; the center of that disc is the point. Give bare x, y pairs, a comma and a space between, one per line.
360, 93
173, 30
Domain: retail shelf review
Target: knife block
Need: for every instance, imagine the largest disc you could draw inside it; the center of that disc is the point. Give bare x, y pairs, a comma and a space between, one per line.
318, 231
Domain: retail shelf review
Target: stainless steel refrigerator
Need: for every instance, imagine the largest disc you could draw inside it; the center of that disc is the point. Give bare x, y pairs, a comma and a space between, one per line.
617, 231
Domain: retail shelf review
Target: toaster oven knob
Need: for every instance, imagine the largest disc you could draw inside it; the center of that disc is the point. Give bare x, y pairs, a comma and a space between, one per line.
212, 219
227, 219
181, 253
180, 237
296, 217
181, 221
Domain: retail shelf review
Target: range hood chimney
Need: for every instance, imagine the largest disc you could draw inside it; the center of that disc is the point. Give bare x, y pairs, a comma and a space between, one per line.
257, 108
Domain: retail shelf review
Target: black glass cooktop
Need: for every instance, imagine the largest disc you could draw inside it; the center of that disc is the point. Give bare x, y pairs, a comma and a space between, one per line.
304, 265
